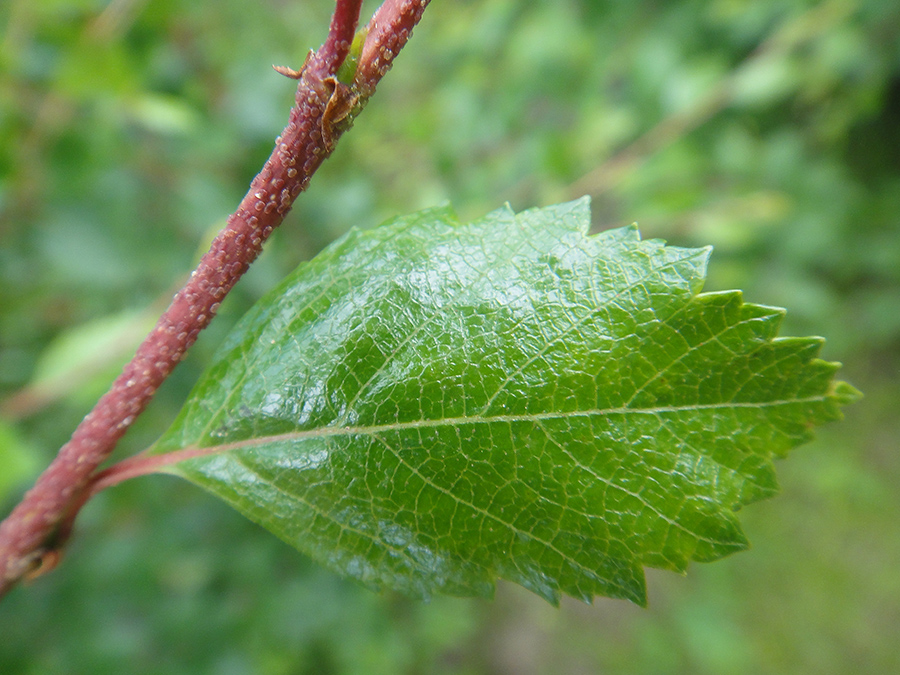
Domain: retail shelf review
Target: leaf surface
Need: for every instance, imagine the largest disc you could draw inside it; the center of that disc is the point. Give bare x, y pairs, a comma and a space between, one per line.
430, 405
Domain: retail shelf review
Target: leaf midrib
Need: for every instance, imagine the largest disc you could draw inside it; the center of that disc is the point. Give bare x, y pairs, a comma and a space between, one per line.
193, 450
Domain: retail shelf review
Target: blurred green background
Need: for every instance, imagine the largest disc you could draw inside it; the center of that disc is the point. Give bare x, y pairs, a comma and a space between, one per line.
130, 129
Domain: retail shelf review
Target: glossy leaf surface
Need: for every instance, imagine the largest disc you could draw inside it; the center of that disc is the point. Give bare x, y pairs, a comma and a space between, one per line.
431, 405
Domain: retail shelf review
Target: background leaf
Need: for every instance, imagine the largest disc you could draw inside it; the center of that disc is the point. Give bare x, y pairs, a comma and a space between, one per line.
430, 405
17, 460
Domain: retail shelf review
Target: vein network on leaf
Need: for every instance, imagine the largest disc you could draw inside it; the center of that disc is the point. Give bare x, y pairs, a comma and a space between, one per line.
430, 405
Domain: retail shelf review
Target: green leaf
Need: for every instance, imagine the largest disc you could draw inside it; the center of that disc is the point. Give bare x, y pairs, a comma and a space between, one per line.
431, 405
18, 460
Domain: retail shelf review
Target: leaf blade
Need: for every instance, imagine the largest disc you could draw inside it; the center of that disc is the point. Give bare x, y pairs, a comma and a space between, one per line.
430, 405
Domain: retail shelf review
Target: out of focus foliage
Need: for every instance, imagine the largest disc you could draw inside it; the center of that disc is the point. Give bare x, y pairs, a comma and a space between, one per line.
129, 129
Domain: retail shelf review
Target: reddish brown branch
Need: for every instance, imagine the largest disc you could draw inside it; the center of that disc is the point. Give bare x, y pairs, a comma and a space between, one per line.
340, 36
33, 534
388, 31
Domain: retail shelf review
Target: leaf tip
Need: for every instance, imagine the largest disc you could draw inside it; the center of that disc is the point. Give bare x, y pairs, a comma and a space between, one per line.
844, 393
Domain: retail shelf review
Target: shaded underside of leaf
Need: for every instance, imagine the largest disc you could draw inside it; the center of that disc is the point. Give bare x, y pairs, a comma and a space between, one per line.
430, 405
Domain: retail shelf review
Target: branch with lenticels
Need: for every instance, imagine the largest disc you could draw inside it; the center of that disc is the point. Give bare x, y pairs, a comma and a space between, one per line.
333, 86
